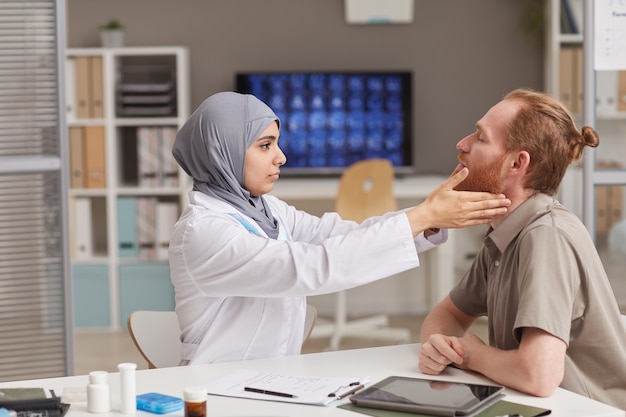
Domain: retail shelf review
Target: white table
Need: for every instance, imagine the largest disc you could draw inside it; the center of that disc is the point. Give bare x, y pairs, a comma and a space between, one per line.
414, 189
377, 363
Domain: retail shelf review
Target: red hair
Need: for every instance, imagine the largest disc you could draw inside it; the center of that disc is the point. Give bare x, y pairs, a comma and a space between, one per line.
546, 130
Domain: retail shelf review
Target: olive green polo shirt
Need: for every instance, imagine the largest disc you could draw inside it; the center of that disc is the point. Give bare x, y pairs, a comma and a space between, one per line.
540, 268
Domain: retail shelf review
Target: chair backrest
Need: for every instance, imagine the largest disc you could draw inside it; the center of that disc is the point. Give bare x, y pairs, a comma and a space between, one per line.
366, 190
156, 334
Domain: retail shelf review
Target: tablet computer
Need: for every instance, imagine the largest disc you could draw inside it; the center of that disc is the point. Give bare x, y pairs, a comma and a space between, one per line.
438, 398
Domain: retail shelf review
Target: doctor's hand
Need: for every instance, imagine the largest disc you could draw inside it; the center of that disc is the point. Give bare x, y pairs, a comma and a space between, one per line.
448, 208
438, 352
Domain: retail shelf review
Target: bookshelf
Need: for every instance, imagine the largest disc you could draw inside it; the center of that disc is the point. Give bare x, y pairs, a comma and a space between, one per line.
563, 76
124, 107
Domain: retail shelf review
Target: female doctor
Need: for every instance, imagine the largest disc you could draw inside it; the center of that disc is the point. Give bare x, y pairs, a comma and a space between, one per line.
242, 262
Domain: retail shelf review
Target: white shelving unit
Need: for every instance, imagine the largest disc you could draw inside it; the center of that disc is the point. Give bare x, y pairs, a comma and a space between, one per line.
102, 293
594, 191
610, 121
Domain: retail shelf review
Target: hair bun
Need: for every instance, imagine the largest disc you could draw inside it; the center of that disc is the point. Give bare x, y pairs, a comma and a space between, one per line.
590, 136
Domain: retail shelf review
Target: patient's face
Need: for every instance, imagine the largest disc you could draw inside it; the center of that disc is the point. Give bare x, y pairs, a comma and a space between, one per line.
483, 151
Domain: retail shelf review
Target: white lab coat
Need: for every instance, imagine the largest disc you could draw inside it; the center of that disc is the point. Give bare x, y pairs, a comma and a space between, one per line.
240, 295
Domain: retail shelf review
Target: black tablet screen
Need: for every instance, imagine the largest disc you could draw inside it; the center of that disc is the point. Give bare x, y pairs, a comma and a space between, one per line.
428, 393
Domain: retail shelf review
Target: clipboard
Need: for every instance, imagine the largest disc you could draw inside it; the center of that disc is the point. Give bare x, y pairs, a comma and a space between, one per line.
313, 390
499, 408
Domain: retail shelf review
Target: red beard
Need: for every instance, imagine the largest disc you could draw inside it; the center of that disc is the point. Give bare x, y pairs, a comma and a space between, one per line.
483, 177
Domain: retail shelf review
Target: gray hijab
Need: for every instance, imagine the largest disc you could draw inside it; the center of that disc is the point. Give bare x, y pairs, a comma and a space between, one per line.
211, 147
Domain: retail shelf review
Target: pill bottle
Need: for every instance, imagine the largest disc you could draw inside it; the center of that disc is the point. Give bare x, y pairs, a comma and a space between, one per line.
98, 392
128, 388
195, 401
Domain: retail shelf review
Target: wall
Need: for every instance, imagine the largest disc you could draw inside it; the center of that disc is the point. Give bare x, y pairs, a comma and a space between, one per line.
464, 55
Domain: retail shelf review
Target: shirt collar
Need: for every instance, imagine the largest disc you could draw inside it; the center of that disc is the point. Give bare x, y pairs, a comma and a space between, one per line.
535, 206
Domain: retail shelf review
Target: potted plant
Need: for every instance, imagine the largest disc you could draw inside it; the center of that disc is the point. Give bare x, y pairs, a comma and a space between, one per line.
112, 34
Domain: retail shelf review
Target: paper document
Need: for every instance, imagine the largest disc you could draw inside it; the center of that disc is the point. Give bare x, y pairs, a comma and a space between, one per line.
315, 390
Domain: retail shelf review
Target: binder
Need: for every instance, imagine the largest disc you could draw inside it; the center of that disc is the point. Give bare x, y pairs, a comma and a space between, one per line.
577, 12
566, 77
70, 88
168, 165
94, 158
568, 22
146, 222
83, 97
148, 156
606, 92
621, 90
96, 103
608, 201
615, 204
602, 209
578, 88
127, 227
77, 168
166, 216
83, 229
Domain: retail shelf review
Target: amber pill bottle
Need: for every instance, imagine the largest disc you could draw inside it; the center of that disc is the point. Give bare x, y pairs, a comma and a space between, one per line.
195, 401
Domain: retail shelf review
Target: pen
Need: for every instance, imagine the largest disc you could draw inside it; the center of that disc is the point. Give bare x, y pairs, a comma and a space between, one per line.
268, 392
357, 386
352, 391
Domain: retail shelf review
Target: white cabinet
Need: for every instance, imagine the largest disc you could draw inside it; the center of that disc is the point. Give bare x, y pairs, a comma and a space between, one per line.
124, 107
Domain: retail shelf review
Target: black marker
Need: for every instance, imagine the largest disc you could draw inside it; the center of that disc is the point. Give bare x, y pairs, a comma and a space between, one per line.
267, 392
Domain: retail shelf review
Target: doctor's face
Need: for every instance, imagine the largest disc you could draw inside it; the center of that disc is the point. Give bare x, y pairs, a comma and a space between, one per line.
263, 161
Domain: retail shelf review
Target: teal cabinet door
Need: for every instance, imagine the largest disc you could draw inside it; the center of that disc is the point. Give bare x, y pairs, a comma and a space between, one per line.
91, 295
145, 286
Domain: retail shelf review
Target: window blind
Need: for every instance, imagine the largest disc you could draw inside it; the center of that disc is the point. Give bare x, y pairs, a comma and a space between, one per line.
35, 298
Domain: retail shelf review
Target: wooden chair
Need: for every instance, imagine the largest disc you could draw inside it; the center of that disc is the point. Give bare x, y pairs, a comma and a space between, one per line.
365, 190
156, 335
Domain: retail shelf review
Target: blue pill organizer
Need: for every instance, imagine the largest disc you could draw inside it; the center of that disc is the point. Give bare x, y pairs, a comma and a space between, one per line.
154, 402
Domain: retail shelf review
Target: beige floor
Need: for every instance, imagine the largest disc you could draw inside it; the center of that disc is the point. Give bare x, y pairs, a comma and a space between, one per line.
104, 350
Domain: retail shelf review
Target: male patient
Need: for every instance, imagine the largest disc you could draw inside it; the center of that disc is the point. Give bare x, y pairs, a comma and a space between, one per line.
552, 315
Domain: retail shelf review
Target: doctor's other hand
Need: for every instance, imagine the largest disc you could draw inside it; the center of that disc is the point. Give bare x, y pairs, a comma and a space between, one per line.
438, 352
447, 208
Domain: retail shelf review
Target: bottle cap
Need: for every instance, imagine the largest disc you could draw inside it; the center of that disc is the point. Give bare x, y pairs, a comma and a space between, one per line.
195, 394
127, 366
98, 377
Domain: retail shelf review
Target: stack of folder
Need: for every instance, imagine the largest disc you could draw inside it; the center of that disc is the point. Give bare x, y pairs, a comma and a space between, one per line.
85, 93
156, 165
145, 225
87, 157
146, 91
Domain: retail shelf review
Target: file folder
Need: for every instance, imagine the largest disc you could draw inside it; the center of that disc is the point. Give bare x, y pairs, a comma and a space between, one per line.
127, 227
